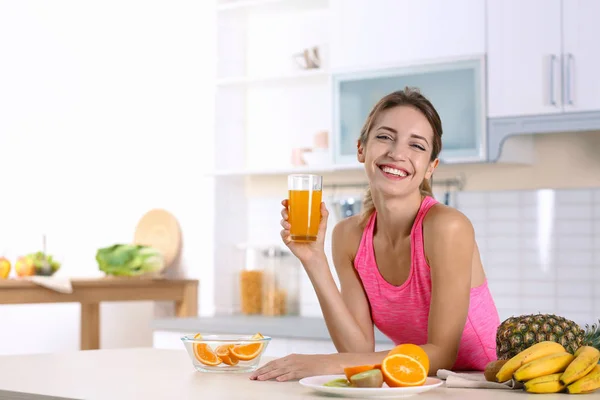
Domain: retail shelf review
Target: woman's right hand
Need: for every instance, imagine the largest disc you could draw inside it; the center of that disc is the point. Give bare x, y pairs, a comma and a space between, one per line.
305, 251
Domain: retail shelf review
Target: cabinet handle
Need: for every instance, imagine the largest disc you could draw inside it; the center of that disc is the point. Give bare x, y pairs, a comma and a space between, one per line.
552, 99
568, 79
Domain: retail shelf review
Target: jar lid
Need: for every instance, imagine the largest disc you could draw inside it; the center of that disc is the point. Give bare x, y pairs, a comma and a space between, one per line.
273, 252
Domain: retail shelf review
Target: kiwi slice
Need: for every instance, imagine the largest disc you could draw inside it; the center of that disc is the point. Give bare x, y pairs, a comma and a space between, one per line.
342, 382
367, 379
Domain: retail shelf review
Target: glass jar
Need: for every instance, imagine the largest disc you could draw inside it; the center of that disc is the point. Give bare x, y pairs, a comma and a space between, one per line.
281, 283
251, 284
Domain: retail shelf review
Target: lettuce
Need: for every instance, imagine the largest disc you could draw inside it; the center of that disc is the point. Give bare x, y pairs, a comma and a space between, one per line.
129, 260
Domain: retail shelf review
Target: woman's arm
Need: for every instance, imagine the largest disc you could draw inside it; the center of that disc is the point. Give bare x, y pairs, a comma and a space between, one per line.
449, 246
346, 314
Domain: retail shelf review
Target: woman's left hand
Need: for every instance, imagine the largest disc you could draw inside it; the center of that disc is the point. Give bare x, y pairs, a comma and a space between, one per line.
295, 366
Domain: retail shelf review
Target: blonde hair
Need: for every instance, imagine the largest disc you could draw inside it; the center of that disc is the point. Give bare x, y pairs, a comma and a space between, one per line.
407, 97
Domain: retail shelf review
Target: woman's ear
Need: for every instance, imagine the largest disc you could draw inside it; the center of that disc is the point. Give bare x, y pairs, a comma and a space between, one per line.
360, 152
432, 166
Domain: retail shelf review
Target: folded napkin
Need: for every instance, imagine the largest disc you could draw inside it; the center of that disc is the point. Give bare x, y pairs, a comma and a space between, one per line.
61, 285
474, 380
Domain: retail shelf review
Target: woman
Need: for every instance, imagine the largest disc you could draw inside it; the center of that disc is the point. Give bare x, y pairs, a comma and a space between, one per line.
409, 264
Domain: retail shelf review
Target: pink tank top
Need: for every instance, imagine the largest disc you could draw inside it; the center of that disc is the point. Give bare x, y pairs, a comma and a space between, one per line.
401, 312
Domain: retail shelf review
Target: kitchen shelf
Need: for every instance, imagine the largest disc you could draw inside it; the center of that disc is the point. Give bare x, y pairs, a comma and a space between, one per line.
283, 78
286, 171
247, 5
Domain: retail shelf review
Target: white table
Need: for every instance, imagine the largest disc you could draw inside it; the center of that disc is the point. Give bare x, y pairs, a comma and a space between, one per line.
152, 374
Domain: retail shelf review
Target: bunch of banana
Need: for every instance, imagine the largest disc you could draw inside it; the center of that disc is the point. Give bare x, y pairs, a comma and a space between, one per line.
583, 374
546, 367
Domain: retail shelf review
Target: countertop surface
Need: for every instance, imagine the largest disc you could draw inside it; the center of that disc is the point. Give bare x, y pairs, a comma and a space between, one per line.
152, 374
311, 328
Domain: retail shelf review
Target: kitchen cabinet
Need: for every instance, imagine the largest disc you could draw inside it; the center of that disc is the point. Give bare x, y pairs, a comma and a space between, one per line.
581, 55
376, 33
542, 57
456, 88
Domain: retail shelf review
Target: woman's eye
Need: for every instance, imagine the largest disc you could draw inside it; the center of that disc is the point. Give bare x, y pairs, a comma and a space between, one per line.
383, 137
418, 146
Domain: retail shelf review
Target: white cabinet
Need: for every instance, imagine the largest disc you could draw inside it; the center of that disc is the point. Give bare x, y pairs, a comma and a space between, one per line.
456, 89
392, 32
581, 55
542, 56
524, 47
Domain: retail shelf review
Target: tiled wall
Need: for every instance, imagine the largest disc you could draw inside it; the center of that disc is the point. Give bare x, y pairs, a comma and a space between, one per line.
540, 248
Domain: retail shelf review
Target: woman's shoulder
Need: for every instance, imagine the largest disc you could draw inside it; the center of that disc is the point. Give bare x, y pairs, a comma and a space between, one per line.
347, 234
443, 220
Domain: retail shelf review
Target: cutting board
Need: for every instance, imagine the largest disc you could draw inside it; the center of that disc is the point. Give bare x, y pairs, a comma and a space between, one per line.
160, 229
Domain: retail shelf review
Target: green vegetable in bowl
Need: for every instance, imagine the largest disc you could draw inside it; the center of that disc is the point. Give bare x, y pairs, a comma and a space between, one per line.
44, 264
129, 260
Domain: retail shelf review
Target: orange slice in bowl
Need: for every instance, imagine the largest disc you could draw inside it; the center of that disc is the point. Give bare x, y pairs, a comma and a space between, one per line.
204, 353
224, 353
400, 370
249, 351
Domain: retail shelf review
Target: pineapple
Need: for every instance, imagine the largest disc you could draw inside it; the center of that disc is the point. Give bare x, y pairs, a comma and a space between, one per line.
515, 334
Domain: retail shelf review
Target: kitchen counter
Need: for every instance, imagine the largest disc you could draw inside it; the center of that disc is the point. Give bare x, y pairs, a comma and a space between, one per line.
311, 328
152, 374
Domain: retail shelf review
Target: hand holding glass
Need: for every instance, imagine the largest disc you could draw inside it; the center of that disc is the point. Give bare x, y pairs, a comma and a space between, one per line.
304, 206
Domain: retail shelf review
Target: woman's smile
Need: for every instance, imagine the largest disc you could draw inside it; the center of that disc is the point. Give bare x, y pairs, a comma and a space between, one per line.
392, 172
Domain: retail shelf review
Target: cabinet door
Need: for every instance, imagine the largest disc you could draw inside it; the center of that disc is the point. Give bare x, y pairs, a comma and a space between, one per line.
378, 33
456, 89
581, 55
524, 57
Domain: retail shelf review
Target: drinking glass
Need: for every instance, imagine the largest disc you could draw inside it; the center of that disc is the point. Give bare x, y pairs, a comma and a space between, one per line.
304, 206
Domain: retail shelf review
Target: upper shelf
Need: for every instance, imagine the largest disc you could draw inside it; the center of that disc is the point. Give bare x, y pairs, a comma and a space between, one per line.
308, 169
249, 80
249, 5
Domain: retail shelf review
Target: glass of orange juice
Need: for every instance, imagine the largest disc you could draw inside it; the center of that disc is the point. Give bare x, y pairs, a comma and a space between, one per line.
304, 206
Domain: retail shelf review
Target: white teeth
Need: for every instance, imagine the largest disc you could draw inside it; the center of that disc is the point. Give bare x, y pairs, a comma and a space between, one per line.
393, 171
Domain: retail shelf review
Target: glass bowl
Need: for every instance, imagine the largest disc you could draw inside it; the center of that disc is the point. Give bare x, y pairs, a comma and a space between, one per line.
225, 353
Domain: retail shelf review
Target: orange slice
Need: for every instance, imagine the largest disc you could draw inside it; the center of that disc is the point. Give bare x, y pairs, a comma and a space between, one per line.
400, 370
350, 371
204, 353
247, 352
225, 355
414, 351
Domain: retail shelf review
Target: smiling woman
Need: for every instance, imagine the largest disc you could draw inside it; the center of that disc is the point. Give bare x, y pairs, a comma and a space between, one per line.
409, 265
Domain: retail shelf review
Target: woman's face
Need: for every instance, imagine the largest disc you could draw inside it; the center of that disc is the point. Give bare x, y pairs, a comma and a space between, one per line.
398, 151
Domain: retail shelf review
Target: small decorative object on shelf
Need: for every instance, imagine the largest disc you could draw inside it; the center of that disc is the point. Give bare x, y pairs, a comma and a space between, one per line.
308, 59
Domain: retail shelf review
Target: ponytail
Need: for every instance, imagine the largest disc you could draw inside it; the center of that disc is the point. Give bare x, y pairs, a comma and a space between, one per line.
368, 207
426, 188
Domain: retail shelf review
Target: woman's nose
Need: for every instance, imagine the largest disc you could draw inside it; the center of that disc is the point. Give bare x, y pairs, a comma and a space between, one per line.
397, 152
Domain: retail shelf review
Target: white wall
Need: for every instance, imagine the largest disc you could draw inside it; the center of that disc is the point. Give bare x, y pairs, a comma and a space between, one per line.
106, 109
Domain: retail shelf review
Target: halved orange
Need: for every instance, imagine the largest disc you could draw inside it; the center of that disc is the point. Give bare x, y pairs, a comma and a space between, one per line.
247, 352
350, 371
400, 370
225, 355
413, 351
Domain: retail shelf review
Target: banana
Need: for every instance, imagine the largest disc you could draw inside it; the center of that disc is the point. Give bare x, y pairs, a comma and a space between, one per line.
587, 384
545, 384
547, 365
531, 353
586, 357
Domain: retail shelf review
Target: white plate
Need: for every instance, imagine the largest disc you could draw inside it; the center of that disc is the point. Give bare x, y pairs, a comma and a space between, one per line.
316, 383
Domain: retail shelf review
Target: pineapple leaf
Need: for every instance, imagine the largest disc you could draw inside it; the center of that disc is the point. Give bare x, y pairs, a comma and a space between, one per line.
592, 335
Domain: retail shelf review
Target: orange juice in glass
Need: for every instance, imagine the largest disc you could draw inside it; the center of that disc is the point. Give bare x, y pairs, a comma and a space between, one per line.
304, 206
